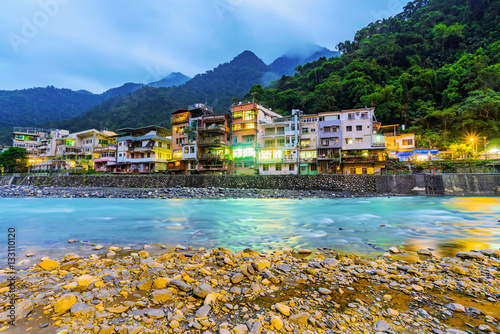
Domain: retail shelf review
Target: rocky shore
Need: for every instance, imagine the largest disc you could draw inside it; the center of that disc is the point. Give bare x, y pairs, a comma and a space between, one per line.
160, 289
166, 193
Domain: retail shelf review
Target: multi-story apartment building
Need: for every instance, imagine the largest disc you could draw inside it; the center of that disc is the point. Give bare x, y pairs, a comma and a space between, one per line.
308, 144
78, 148
28, 138
213, 140
245, 120
278, 145
185, 132
105, 156
144, 150
329, 142
48, 143
363, 150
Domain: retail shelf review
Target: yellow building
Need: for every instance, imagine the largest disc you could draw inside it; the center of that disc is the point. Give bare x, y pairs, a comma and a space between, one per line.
144, 150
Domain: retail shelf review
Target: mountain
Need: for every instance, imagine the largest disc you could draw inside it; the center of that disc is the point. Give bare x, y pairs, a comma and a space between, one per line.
149, 105
300, 55
434, 67
286, 64
173, 79
129, 87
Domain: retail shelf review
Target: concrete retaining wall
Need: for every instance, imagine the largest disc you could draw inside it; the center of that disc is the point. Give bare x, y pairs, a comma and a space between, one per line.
417, 184
5, 180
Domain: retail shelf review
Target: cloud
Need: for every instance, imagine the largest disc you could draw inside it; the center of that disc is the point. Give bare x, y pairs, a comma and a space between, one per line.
96, 45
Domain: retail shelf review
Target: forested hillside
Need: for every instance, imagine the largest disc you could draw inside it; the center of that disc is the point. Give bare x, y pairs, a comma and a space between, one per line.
435, 67
149, 105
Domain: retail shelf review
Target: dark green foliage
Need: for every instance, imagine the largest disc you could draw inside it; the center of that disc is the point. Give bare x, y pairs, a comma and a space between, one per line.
434, 67
13, 159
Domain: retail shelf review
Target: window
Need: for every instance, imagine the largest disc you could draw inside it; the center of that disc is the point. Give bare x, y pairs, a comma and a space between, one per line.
248, 139
348, 141
237, 127
149, 155
281, 142
352, 171
305, 131
278, 167
280, 131
168, 146
191, 149
348, 128
327, 129
142, 155
407, 141
159, 155
238, 165
269, 132
248, 152
364, 171
364, 115
269, 143
248, 115
235, 140
265, 168
359, 128
350, 116
249, 126
359, 140
291, 167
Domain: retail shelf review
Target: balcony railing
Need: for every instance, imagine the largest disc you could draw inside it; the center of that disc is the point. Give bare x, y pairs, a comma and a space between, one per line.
189, 129
217, 128
142, 149
212, 167
211, 142
328, 157
207, 156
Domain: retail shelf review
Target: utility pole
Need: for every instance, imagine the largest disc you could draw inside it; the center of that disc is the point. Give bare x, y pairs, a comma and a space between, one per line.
485, 153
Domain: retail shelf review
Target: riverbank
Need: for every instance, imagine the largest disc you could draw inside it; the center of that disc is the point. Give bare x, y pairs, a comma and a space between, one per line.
166, 193
183, 290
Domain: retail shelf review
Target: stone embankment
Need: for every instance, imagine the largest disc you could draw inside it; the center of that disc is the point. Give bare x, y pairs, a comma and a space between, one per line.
163, 193
182, 290
405, 185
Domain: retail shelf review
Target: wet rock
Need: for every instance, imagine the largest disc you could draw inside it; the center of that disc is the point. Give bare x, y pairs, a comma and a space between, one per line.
300, 319
471, 255
180, 284
203, 311
202, 290
381, 325
285, 310
162, 296
455, 307
49, 265
64, 303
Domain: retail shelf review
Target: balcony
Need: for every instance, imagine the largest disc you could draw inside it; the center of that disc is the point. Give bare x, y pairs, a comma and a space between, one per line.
213, 167
177, 119
207, 156
329, 158
189, 130
214, 118
274, 134
212, 142
142, 149
378, 144
214, 129
357, 159
105, 159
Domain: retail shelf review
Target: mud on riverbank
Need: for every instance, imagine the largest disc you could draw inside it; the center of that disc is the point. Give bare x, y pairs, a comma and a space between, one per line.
184, 290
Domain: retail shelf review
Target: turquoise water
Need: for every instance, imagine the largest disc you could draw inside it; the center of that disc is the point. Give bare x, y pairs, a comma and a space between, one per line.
361, 225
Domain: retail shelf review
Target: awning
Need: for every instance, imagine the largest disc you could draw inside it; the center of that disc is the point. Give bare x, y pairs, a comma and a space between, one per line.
426, 151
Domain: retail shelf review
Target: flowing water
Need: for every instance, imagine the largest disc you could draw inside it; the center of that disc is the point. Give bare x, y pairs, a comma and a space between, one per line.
358, 225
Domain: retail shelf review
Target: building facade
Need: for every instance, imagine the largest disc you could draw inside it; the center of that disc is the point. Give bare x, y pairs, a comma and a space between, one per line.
363, 149
329, 142
246, 118
143, 150
308, 145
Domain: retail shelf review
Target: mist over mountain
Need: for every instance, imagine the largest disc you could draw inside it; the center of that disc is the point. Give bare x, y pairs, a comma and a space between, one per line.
173, 79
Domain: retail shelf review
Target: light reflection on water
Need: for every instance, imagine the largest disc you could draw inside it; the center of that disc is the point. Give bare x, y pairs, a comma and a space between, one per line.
361, 225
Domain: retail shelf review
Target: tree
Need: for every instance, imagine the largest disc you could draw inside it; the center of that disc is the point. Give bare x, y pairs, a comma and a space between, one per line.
14, 159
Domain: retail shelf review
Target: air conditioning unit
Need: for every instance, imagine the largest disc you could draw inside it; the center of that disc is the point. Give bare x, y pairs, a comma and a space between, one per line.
286, 156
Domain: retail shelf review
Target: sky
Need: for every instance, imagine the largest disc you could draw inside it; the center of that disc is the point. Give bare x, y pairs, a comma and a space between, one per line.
96, 45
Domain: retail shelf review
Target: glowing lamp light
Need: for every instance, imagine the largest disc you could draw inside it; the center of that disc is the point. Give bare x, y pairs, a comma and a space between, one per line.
494, 150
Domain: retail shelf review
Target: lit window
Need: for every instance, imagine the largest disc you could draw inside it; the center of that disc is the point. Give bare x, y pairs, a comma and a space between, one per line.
359, 140
250, 125
265, 168
348, 141
237, 126
248, 152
